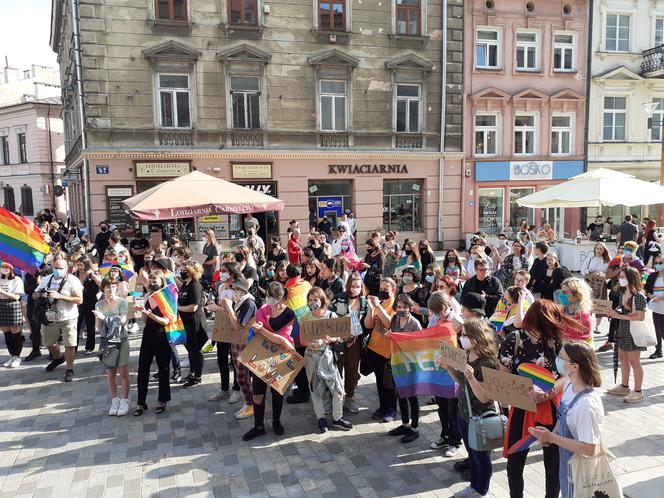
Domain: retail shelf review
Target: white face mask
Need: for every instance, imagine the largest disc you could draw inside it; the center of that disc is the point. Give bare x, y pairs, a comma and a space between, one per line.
270, 301
224, 276
623, 282
4, 271
465, 342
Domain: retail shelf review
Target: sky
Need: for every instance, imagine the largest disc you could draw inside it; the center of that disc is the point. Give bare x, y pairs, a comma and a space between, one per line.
25, 27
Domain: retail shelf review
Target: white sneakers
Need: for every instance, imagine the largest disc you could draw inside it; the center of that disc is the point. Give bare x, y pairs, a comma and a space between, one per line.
235, 397
119, 407
218, 396
468, 492
133, 328
634, 397
12, 362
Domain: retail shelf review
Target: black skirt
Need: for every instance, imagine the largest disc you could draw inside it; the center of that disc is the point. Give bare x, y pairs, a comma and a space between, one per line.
10, 313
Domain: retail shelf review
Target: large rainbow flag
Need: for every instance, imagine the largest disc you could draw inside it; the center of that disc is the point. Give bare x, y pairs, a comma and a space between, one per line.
415, 362
166, 299
21, 242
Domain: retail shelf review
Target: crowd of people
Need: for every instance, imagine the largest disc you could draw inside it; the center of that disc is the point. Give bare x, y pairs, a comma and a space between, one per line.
510, 302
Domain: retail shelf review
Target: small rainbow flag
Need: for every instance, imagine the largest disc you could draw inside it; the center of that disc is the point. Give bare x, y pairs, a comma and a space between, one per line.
415, 362
498, 318
540, 376
523, 444
126, 270
21, 242
175, 332
166, 300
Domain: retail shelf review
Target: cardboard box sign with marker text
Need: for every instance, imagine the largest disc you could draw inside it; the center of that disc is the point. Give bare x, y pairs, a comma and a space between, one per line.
276, 365
312, 330
223, 330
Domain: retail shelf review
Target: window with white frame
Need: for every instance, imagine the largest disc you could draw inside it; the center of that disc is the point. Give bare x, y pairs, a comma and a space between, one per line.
524, 134
487, 48
659, 31
174, 100
656, 119
561, 135
245, 98
332, 105
407, 108
526, 50
615, 110
564, 48
486, 134
617, 32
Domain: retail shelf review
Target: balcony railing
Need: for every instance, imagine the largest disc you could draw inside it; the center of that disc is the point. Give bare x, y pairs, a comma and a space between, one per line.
247, 138
653, 62
334, 140
408, 141
180, 138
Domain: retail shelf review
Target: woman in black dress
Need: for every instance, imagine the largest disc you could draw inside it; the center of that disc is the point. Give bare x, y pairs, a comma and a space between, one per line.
426, 255
90, 281
374, 262
275, 252
190, 307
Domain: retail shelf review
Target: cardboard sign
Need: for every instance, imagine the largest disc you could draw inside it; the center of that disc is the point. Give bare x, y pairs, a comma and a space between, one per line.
312, 330
276, 365
223, 330
600, 306
453, 356
509, 389
198, 257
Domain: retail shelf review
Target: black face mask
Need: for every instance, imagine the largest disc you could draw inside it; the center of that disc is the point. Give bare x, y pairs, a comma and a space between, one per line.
184, 275
103, 229
274, 245
382, 295
409, 251
239, 257
154, 287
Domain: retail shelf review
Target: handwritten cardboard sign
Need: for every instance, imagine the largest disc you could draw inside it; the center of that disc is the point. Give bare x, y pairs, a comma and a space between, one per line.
312, 330
453, 356
509, 389
198, 257
276, 365
601, 306
223, 330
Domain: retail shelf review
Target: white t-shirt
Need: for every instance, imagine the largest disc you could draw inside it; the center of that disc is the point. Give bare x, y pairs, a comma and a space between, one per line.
586, 418
658, 290
15, 285
66, 310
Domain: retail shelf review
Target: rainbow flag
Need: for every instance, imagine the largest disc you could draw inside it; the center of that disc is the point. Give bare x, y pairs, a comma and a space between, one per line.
166, 299
415, 362
175, 332
126, 270
540, 376
21, 242
297, 297
523, 444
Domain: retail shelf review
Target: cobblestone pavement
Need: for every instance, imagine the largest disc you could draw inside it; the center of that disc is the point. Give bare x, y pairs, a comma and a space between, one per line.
56, 440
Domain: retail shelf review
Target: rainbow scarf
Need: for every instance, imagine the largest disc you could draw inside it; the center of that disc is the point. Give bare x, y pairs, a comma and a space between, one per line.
415, 362
21, 242
126, 270
540, 376
166, 299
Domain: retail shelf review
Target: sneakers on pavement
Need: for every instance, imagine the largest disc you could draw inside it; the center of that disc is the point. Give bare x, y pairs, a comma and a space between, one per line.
133, 328
378, 414
399, 431
69, 375
218, 396
351, 405
208, 348
322, 425
8, 362
451, 451
389, 416
244, 412
51, 366
410, 436
115, 404
440, 444
254, 432
465, 493
32, 355
634, 397
342, 424
176, 377
618, 390
655, 355
16, 362
123, 409
235, 397
192, 382
461, 465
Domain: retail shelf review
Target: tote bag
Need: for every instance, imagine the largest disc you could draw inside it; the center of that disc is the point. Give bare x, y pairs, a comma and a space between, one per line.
594, 476
643, 332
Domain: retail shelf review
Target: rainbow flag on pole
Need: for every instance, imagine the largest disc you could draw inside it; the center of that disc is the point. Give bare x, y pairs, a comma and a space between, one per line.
166, 299
21, 242
415, 362
175, 332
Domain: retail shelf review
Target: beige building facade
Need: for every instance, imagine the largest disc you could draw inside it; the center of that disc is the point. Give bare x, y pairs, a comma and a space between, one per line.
328, 105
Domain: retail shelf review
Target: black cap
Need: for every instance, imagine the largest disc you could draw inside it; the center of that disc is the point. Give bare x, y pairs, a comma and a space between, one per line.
474, 302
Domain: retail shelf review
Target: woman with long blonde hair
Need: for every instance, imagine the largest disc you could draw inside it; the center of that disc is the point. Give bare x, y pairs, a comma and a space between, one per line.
576, 298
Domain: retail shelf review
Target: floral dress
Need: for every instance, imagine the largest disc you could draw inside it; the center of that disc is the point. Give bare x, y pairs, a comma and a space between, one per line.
540, 353
623, 337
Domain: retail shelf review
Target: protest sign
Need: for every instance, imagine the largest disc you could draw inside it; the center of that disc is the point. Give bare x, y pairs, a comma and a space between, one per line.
453, 356
223, 330
276, 365
198, 257
311, 330
509, 389
601, 306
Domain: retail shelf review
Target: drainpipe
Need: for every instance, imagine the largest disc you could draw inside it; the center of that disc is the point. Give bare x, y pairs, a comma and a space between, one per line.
443, 109
50, 153
586, 125
76, 36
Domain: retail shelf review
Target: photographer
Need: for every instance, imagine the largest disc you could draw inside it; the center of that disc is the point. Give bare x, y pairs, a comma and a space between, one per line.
58, 296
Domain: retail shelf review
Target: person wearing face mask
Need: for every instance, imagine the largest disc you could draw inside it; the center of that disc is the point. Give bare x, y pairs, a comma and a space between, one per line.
426, 253
11, 317
654, 289
632, 305
116, 274
244, 260
318, 357
267, 277
452, 266
211, 255
594, 273
577, 300
411, 287
90, 281
190, 307
411, 256
391, 250
154, 345
372, 266
378, 320
109, 307
298, 289
341, 242
478, 340
138, 248
145, 270
276, 252
64, 292
330, 282
580, 412
102, 240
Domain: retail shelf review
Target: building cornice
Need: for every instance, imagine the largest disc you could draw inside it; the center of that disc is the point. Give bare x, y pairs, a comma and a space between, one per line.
97, 154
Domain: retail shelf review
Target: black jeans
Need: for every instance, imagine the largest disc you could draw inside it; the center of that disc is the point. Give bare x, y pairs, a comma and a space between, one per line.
223, 355
193, 345
14, 343
387, 396
154, 344
259, 388
87, 319
447, 414
35, 329
658, 320
517, 461
301, 380
414, 417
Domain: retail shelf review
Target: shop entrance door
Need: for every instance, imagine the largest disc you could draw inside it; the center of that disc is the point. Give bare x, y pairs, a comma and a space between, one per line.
556, 218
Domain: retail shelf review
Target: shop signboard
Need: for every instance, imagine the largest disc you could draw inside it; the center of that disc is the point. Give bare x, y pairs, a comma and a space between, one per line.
531, 170
161, 169
488, 214
220, 226
251, 171
117, 214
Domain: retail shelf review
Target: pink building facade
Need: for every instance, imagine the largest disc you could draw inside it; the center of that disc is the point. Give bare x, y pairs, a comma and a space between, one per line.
525, 79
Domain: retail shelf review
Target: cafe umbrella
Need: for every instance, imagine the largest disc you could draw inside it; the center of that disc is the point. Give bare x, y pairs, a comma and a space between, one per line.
197, 194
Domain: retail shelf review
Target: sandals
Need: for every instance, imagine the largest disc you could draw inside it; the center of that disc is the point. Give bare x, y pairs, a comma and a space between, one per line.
139, 410
160, 409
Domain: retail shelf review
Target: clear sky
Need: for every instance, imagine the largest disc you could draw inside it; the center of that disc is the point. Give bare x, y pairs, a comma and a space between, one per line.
24, 33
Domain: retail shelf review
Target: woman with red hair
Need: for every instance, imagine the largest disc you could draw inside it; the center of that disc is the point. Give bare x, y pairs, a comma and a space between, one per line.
447, 284
538, 342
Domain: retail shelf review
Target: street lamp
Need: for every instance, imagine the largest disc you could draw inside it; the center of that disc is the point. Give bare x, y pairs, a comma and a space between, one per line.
649, 108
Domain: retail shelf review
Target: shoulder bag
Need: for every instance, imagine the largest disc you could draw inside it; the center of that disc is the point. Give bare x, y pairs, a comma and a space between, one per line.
643, 332
594, 476
485, 431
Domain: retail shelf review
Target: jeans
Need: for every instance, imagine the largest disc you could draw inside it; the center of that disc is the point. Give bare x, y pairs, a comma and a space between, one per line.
223, 353
447, 414
658, 321
412, 417
481, 469
154, 344
86, 319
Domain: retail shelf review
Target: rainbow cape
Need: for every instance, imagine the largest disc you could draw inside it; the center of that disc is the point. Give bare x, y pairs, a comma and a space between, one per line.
540, 376
127, 271
21, 242
523, 444
166, 299
415, 362
175, 332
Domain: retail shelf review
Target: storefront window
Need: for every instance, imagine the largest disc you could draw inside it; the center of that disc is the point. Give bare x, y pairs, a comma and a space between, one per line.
490, 210
330, 198
402, 205
518, 213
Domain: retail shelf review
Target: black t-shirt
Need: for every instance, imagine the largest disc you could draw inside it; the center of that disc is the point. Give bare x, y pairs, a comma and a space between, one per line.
210, 251
319, 252
279, 322
150, 325
333, 288
101, 242
250, 273
282, 256
139, 244
191, 293
325, 227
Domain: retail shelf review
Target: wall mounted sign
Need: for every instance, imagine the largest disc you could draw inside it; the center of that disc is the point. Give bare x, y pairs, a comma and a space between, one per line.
102, 169
116, 214
251, 171
161, 169
531, 170
367, 169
